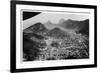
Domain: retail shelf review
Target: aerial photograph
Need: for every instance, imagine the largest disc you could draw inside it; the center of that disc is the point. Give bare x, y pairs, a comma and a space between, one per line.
54, 36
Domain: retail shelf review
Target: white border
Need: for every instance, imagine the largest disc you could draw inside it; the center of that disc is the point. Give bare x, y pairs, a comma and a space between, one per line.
37, 64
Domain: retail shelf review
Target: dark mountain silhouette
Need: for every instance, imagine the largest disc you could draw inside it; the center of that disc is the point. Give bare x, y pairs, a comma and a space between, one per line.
36, 28
85, 28
78, 26
31, 51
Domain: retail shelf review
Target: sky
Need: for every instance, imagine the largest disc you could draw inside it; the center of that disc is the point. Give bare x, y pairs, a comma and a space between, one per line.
53, 17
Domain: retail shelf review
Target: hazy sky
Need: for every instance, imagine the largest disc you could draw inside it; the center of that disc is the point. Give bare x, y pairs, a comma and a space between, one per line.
52, 17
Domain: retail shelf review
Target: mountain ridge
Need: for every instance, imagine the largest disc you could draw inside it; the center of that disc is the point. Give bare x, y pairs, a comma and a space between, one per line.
77, 26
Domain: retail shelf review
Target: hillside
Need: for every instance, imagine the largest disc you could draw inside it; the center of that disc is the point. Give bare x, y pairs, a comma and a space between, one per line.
78, 26
41, 43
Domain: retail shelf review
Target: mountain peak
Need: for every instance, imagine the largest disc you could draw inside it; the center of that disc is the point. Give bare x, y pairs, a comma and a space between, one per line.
36, 28
56, 30
37, 25
57, 33
61, 21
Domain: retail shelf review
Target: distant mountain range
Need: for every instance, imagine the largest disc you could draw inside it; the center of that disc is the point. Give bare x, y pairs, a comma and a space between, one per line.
77, 26
40, 29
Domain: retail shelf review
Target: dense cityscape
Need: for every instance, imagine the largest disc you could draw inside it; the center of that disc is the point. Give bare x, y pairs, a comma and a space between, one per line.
40, 43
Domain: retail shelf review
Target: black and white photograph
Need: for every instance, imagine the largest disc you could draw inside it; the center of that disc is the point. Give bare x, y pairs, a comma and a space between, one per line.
52, 36
55, 36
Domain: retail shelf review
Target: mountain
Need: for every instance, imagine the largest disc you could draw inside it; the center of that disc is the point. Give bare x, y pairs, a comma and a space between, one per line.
49, 25
57, 33
78, 26
85, 28
36, 28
